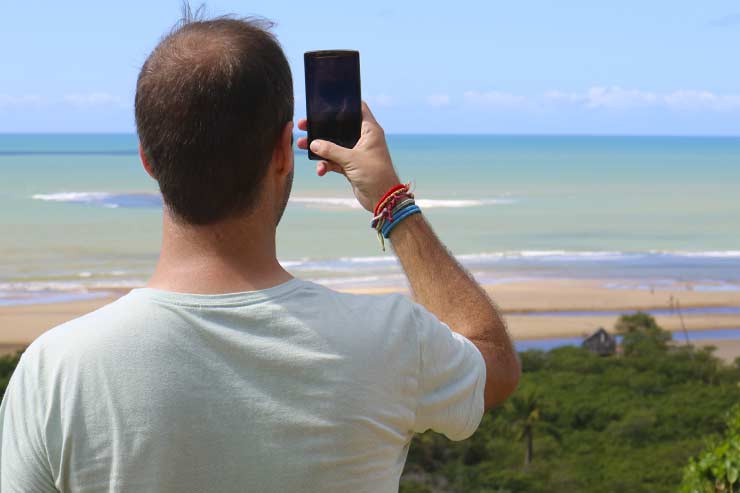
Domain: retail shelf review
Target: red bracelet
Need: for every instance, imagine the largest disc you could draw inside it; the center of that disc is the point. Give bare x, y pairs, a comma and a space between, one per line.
387, 194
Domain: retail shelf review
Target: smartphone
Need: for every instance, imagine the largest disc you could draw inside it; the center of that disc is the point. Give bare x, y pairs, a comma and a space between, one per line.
333, 99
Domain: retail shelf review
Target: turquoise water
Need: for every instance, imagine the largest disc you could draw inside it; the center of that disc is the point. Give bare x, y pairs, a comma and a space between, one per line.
77, 211
693, 336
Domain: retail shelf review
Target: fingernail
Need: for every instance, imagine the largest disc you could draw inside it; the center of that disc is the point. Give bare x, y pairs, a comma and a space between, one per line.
315, 146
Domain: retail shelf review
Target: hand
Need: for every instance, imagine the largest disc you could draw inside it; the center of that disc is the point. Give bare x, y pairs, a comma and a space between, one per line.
367, 166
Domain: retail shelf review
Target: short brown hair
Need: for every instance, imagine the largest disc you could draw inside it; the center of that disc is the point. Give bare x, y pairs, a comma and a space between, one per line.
211, 102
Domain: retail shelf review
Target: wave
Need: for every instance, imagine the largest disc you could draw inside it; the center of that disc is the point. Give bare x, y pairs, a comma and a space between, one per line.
603, 256
425, 203
526, 262
708, 254
78, 286
550, 260
104, 199
555, 255
711, 270
18, 299
145, 199
45, 292
547, 254
84, 197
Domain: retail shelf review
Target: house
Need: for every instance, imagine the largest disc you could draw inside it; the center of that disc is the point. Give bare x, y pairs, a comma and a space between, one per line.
601, 343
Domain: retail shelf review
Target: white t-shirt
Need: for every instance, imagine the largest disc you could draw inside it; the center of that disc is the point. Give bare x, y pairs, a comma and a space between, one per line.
291, 388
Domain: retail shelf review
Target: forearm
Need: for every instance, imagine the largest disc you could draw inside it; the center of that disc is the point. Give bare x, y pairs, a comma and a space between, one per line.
437, 280
444, 288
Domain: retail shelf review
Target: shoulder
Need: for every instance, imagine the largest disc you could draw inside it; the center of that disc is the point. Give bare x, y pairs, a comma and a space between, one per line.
375, 319
384, 303
74, 336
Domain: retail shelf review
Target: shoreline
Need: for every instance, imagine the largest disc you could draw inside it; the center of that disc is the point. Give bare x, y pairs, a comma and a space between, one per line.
519, 301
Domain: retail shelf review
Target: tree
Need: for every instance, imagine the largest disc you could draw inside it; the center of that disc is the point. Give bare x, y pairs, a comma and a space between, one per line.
641, 335
627, 425
525, 410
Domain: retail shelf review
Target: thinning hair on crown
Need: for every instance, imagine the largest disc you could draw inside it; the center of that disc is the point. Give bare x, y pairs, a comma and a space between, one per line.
212, 100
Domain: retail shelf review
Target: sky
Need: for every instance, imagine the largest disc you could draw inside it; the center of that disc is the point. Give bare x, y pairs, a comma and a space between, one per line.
517, 67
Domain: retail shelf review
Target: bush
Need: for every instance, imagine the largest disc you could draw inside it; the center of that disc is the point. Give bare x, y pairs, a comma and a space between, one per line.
641, 335
7, 366
718, 468
618, 424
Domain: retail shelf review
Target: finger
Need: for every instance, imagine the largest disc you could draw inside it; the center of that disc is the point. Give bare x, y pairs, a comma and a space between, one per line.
335, 168
367, 115
303, 124
323, 167
331, 152
302, 143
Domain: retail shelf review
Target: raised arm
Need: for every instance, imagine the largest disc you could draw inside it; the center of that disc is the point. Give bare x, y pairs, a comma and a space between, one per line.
446, 289
438, 281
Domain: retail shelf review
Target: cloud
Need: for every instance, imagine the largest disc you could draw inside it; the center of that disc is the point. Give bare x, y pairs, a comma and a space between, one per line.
613, 97
81, 100
438, 100
618, 98
495, 98
729, 20
25, 101
93, 99
697, 100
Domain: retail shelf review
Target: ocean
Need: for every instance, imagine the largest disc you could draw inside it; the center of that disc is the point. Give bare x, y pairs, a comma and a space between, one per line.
78, 213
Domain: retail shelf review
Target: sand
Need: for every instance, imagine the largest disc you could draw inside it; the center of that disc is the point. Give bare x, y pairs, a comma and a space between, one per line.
19, 325
726, 350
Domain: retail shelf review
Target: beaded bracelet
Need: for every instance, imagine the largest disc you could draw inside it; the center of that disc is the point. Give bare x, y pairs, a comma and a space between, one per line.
397, 204
387, 195
406, 212
391, 207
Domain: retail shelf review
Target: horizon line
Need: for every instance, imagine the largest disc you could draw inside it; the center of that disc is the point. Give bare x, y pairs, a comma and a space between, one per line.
441, 134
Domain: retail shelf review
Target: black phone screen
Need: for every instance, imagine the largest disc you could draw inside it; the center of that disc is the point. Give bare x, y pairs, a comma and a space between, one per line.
333, 99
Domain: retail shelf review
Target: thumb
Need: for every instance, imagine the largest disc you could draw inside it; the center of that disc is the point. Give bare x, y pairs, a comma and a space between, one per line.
331, 152
367, 115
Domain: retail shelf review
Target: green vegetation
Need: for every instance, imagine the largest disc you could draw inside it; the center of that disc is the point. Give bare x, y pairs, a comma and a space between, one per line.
651, 420
718, 468
7, 365
582, 423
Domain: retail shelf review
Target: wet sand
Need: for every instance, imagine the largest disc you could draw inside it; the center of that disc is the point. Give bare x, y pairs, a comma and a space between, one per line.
20, 325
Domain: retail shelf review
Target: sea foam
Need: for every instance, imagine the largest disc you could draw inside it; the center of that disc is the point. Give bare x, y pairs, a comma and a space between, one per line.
145, 199
104, 199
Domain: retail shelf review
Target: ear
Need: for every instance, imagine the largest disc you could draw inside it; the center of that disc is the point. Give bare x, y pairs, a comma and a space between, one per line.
145, 162
282, 156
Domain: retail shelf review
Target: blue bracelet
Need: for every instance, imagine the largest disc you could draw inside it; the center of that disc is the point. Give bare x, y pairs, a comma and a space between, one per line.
403, 214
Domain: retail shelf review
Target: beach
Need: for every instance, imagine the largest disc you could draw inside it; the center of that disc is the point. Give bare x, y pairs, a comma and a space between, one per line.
540, 309
565, 232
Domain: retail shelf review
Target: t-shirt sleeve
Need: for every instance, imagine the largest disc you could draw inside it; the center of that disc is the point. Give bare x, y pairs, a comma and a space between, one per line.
24, 465
452, 377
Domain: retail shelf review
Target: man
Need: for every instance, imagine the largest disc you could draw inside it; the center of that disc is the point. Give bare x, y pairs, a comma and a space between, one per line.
226, 373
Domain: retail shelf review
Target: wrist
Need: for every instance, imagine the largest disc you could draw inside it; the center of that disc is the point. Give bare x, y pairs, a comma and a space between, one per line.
383, 188
394, 206
386, 195
407, 211
404, 224
407, 225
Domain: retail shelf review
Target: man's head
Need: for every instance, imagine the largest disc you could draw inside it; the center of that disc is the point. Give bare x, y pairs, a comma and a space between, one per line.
214, 110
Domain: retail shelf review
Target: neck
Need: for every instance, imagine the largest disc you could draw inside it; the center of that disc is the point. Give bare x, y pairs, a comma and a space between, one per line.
231, 256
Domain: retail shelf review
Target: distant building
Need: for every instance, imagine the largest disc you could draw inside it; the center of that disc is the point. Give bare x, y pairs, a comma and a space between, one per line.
600, 342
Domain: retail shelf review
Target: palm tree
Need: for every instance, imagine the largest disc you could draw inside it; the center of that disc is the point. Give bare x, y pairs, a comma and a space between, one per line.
525, 409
